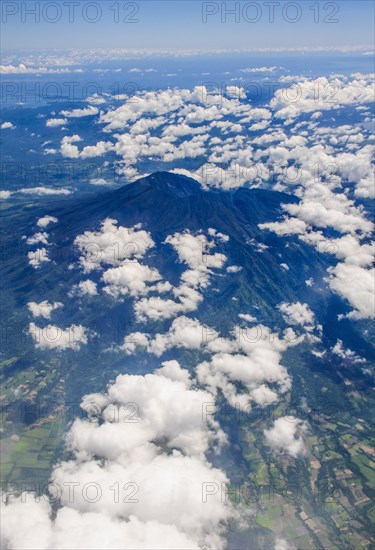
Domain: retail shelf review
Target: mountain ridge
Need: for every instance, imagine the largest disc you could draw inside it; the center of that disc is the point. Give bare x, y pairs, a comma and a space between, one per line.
167, 200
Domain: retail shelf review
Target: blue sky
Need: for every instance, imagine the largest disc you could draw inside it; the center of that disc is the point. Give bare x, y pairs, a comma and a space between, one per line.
180, 24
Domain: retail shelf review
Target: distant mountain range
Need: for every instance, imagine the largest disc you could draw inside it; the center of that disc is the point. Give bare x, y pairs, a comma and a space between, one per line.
273, 268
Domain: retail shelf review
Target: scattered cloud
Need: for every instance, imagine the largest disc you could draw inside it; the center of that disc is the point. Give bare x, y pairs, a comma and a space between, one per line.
7, 126
45, 191
112, 244
338, 349
43, 309
54, 122
53, 337
287, 435
78, 113
356, 285
45, 221
38, 257
297, 314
